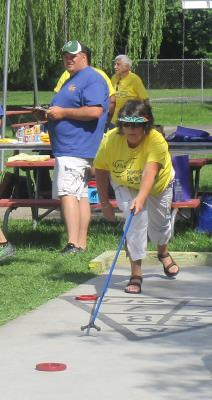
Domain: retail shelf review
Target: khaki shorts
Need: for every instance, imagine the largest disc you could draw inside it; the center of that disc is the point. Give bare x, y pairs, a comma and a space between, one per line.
70, 177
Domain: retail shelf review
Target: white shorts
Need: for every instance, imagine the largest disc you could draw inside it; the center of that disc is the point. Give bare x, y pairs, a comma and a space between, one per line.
70, 177
154, 219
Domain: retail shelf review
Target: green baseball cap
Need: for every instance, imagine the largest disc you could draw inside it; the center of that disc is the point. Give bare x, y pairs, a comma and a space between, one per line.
75, 47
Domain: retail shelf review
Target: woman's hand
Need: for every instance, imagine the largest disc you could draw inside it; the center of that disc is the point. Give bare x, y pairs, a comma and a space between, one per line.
150, 171
137, 205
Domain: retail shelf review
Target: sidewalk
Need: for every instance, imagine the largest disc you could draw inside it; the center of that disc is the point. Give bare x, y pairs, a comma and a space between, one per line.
153, 346
25, 213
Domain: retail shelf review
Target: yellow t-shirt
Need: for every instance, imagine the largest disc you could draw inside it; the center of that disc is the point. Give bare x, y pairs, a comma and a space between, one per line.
66, 75
126, 164
128, 88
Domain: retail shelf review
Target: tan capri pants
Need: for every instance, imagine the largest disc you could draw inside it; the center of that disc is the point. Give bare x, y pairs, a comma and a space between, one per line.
154, 220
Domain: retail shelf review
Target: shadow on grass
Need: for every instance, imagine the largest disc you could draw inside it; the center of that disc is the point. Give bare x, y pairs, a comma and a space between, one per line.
75, 268
36, 239
46, 234
51, 233
38, 251
207, 105
100, 225
71, 268
187, 238
72, 277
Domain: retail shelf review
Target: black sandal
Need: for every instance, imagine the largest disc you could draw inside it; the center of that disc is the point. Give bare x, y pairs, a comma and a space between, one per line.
133, 282
167, 269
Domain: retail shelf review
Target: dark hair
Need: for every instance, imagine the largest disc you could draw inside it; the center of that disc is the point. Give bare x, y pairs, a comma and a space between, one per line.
160, 129
136, 108
86, 51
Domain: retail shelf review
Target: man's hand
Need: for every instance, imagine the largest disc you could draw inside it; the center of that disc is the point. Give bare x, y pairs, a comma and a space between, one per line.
40, 114
55, 112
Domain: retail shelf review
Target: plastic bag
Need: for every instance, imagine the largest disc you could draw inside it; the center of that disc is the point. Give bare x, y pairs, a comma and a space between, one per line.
183, 134
182, 186
204, 223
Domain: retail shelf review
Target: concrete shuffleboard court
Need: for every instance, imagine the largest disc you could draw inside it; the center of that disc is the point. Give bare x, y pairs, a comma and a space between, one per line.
155, 346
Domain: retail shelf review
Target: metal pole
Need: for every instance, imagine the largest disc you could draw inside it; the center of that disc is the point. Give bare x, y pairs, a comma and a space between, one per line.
101, 32
202, 81
6, 57
5, 76
29, 15
183, 67
148, 74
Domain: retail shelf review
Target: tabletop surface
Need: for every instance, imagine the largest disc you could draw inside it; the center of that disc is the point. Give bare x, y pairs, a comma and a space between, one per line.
175, 147
190, 147
25, 146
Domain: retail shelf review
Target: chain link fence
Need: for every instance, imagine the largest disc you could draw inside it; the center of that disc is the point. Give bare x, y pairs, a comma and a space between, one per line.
177, 80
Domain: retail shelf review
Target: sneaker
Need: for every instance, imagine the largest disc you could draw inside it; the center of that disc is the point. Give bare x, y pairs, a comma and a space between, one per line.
6, 251
70, 248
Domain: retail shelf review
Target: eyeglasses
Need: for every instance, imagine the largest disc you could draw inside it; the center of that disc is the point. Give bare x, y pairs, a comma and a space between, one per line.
132, 125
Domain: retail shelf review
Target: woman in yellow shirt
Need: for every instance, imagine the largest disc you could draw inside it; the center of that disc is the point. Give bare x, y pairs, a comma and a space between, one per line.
136, 159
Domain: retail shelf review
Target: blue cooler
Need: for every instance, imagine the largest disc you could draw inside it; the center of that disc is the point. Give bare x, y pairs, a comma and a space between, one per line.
93, 196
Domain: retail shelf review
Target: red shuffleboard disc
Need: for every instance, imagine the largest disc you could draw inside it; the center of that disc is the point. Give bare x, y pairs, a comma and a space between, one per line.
51, 366
86, 297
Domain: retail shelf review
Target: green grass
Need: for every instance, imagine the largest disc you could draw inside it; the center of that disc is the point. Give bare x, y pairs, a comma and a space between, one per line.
39, 273
27, 98
194, 114
169, 114
177, 93
206, 177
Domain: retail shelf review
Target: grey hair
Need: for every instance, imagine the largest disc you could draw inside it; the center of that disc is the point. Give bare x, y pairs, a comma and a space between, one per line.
125, 59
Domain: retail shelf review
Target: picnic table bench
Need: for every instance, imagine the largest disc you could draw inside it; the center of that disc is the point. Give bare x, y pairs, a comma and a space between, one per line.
53, 204
49, 204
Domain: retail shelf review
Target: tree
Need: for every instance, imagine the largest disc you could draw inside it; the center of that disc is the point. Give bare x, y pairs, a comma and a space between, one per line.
144, 22
104, 25
198, 32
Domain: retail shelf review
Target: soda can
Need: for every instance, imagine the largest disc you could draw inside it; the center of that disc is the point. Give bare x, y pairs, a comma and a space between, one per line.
37, 137
27, 131
26, 138
20, 134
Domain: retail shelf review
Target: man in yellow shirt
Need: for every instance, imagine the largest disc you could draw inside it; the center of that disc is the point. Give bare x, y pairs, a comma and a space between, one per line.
112, 99
128, 86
